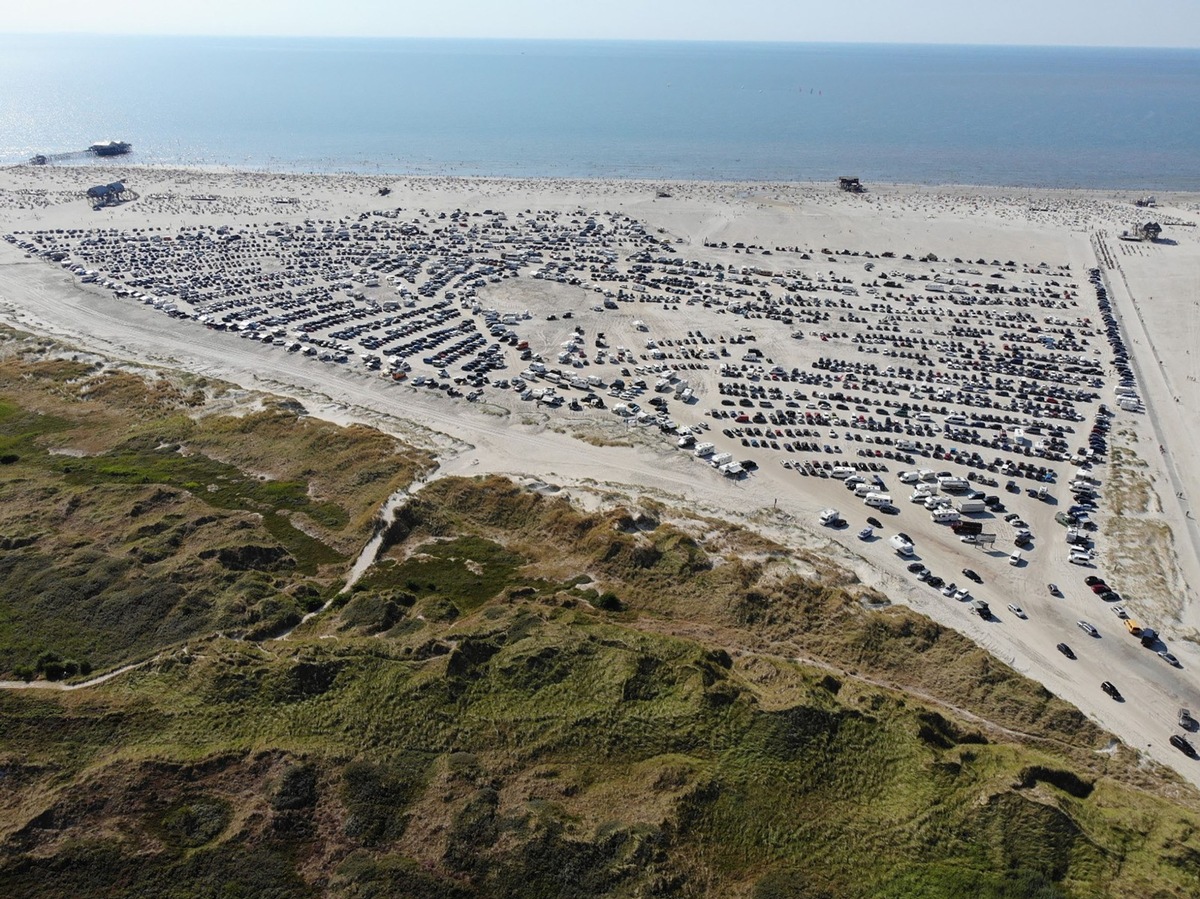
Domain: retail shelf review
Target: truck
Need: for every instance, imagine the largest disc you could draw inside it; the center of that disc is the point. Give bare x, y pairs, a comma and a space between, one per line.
978, 539
980, 608
971, 506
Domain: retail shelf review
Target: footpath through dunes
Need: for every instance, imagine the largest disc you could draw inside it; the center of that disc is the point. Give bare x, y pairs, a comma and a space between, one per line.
952, 335
144, 507
498, 698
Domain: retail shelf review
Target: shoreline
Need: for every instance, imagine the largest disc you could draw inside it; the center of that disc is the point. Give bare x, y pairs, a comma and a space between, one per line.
882, 188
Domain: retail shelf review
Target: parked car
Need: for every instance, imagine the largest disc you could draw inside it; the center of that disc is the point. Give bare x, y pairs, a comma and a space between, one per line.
1183, 745
1088, 628
1169, 659
971, 575
1017, 610
1054, 591
1186, 721
1120, 612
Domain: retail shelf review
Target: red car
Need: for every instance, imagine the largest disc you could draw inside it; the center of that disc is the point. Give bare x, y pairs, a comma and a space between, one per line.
1100, 588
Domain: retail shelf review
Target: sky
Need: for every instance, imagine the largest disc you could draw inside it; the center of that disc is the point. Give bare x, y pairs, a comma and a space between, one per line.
1119, 23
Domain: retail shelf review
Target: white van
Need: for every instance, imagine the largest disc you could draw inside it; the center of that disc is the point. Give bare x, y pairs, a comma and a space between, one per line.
909, 477
1015, 558
830, 517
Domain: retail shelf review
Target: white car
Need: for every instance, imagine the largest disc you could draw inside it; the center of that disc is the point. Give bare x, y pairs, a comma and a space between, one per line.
949, 589
962, 595
1120, 612
866, 533
1169, 659
1088, 628
1017, 610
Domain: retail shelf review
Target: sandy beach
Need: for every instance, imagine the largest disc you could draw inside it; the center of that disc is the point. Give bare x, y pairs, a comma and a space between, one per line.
957, 331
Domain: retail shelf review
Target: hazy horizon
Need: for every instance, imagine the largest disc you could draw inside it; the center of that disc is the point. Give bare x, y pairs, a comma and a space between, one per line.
1172, 24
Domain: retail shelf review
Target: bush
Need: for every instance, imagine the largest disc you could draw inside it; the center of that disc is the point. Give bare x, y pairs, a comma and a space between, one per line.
54, 670
610, 602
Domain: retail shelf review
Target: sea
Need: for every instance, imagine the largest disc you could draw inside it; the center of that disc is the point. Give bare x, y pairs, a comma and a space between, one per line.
1017, 116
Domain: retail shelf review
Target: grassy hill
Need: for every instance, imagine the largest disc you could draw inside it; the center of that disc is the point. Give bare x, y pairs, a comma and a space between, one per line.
522, 699
139, 508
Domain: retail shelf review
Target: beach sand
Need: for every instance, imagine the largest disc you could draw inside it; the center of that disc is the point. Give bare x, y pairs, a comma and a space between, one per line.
1148, 551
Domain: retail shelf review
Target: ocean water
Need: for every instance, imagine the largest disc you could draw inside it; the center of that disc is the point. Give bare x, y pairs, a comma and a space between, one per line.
1055, 117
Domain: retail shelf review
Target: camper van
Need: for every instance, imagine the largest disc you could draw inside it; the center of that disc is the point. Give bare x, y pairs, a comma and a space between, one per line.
878, 500
841, 472
902, 546
954, 484
943, 516
704, 449
830, 517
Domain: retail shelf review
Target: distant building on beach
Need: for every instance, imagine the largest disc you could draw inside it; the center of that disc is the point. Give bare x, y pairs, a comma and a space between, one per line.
851, 185
1149, 231
103, 194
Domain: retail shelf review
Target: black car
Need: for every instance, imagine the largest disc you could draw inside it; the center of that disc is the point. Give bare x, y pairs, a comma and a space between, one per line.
875, 522
1183, 745
1066, 650
972, 575
1111, 690
916, 567
935, 582
1092, 579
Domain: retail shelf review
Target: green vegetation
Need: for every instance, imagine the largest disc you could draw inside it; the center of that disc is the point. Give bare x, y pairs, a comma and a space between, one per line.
133, 517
